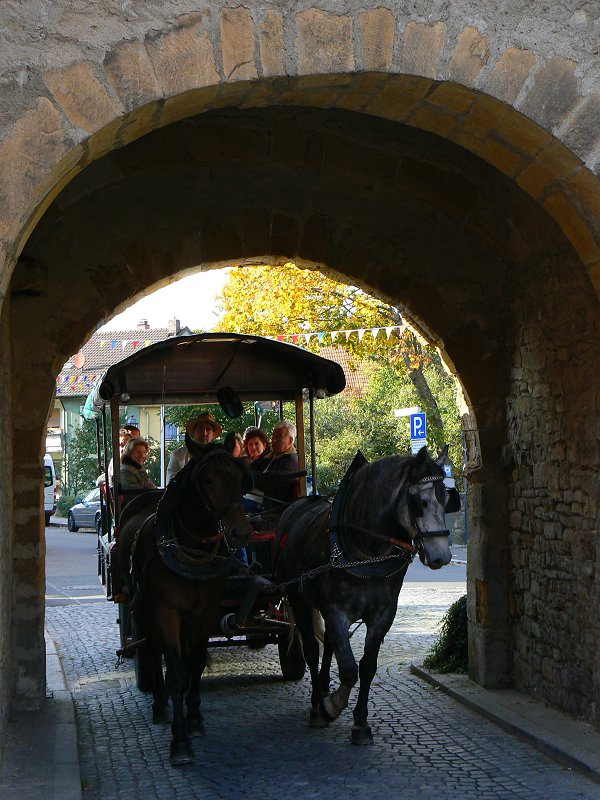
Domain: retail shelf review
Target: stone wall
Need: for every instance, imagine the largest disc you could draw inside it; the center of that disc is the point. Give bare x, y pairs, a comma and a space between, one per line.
554, 434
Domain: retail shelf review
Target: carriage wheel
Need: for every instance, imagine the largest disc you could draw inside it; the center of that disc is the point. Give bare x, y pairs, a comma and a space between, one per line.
291, 657
142, 661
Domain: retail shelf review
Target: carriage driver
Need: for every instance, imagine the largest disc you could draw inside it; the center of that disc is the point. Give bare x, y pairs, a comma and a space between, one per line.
202, 429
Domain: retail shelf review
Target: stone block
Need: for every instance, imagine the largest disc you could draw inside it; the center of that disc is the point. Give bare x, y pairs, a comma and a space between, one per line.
285, 235
522, 134
256, 232
593, 271
468, 57
183, 58
500, 156
553, 94
574, 227
536, 180
509, 74
398, 97
451, 97
25, 179
82, 96
586, 187
129, 70
433, 120
237, 44
377, 30
187, 104
270, 40
583, 132
421, 47
324, 42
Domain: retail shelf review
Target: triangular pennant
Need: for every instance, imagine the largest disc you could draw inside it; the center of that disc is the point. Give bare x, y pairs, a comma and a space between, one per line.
389, 329
375, 333
361, 333
320, 337
347, 334
113, 343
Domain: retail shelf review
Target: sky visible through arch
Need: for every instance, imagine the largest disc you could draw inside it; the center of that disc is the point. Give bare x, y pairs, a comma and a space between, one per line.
192, 300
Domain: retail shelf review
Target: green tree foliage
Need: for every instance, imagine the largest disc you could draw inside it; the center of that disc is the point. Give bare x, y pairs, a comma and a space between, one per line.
286, 300
82, 462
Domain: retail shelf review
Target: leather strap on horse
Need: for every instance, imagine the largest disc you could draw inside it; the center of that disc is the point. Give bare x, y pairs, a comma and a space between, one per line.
365, 566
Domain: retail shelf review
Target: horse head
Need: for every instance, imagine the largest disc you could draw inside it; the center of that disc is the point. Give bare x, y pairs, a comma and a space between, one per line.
427, 502
221, 481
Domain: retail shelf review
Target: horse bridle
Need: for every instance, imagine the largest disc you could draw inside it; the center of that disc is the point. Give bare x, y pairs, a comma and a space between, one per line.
414, 515
200, 466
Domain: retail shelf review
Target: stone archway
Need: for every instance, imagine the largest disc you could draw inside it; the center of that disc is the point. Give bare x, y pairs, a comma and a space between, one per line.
400, 143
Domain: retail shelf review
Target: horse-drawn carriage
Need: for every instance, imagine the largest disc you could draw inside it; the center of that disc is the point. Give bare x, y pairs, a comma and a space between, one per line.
346, 558
208, 369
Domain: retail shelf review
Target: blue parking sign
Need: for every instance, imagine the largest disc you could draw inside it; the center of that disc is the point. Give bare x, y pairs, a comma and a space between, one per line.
418, 426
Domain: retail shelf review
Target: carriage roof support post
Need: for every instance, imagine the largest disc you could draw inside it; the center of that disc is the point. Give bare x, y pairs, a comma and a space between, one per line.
102, 449
311, 428
300, 444
114, 423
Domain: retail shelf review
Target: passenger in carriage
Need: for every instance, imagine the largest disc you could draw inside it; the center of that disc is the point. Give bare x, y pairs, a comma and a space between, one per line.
271, 469
233, 444
126, 433
202, 429
133, 474
256, 442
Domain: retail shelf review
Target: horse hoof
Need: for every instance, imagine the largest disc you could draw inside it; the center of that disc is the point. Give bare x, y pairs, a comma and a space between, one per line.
328, 709
181, 754
160, 716
195, 728
361, 734
316, 719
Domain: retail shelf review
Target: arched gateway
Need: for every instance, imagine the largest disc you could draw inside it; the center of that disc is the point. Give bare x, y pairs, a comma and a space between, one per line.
446, 161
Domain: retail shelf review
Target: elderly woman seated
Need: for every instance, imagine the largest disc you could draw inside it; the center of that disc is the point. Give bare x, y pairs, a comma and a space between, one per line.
133, 474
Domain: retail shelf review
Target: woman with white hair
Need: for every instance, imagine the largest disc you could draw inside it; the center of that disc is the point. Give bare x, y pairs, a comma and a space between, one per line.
275, 472
133, 474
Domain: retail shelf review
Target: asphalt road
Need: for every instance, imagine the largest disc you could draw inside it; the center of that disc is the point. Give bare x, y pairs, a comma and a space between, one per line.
71, 575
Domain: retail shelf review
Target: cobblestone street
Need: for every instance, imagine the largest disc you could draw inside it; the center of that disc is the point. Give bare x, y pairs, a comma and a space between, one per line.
258, 743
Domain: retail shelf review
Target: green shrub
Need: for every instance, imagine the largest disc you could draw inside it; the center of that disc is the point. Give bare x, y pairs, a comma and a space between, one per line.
450, 653
63, 504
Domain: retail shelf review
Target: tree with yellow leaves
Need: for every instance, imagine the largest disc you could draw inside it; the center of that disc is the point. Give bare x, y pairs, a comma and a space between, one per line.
286, 300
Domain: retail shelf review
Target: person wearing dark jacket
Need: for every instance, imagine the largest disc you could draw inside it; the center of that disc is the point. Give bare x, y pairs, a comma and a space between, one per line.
274, 472
133, 474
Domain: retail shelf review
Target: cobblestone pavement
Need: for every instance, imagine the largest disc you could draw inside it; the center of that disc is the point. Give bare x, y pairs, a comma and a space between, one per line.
258, 743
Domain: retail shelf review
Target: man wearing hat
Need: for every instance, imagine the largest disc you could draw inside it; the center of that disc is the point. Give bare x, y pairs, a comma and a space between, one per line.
202, 429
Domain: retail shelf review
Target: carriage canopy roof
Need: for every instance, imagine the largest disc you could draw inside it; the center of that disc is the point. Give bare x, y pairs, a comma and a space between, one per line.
191, 369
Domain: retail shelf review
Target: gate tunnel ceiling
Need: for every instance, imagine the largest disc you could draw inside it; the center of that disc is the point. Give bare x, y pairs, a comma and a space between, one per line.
406, 215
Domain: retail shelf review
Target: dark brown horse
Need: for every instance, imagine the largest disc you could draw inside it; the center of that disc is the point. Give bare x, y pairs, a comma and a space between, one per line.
180, 560
349, 561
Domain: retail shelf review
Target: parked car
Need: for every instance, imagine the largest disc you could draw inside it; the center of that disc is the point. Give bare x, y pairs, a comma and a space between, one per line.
85, 513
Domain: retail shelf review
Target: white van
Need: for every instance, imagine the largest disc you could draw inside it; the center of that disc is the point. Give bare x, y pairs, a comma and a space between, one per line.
49, 488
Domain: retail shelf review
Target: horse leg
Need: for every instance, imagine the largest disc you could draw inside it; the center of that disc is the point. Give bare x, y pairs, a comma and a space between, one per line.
336, 625
303, 616
325, 672
197, 663
169, 626
361, 731
160, 706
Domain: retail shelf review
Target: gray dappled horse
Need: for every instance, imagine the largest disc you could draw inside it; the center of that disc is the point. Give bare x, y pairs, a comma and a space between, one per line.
181, 557
349, 561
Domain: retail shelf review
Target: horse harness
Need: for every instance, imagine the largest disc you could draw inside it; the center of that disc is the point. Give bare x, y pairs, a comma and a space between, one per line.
188, 562
384, 566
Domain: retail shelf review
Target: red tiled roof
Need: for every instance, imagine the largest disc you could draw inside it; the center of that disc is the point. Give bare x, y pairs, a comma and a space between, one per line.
357, 376
101, 351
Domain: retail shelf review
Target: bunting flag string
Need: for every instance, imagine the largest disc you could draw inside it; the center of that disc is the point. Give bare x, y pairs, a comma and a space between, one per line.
323, 337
